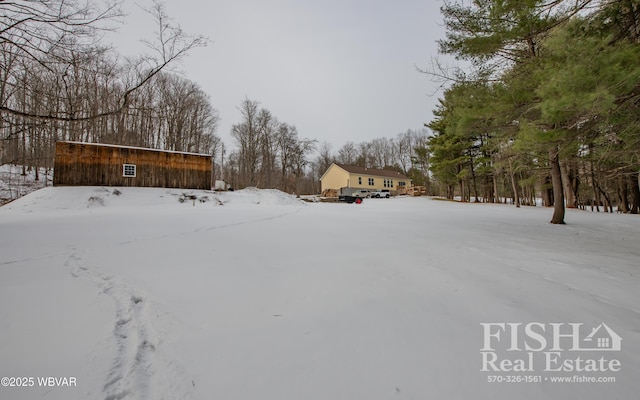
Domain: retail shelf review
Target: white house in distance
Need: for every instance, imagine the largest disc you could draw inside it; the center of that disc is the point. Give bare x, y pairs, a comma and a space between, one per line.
347, 178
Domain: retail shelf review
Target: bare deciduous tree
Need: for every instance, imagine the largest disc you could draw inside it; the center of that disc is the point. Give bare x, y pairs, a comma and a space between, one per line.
48, 33
347, 154
269, 153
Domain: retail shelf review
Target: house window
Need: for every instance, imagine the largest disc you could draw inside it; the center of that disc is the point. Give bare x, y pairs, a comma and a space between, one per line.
604, 343
359, 180
129, 170
388, 183
371, 182
402, 184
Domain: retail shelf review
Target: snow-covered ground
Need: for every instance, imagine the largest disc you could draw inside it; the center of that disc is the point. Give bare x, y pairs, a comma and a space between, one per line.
254, 294
14, 184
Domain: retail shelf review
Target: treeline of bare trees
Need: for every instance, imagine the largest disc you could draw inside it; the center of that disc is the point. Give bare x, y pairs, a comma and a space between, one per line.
58, 83
270, 154
169, 112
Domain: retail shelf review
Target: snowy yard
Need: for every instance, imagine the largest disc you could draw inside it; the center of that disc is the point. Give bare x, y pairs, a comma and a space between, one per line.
256, 295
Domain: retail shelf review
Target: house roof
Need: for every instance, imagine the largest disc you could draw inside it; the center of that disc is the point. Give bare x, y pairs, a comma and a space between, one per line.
354, 169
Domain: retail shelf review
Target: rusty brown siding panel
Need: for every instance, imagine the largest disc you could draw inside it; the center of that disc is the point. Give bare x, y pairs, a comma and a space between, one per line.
83, 164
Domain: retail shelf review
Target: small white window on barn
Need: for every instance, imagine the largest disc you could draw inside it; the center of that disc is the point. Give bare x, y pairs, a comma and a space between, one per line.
129, 170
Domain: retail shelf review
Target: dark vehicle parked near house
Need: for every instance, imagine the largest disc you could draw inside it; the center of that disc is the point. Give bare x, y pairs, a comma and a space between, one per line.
350, 199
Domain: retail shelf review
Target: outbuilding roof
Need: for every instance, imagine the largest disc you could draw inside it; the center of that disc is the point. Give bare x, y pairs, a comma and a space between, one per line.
133, 148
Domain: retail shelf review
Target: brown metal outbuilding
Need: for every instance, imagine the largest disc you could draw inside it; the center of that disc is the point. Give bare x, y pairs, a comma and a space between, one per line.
91, 164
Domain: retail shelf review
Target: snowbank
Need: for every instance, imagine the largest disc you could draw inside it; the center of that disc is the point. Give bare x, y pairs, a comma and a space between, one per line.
81, 198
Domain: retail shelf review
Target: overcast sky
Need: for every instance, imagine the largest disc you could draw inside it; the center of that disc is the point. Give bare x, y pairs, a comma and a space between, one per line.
340, 70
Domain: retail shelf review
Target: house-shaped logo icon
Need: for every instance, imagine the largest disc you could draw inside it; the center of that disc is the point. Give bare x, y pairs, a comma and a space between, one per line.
602, 338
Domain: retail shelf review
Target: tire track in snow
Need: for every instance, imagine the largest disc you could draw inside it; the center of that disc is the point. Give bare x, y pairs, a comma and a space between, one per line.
36, 258
211, 228
138, 371
249, 221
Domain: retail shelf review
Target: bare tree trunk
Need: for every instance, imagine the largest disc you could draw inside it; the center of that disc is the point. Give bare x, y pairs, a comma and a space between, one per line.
558, 195
635, 192
496, 194
450, 192
473, 180
623, 195
608, 207
596, 193
569, 185
547, 191
24, 152
514, 185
